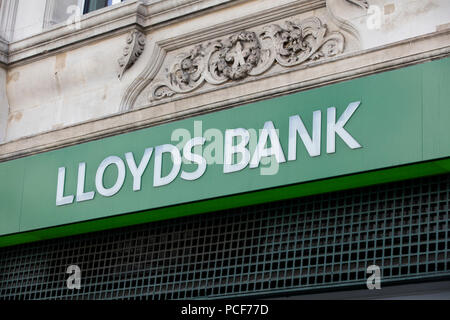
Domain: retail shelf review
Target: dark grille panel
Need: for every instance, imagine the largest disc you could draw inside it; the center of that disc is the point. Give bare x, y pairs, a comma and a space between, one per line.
302, 244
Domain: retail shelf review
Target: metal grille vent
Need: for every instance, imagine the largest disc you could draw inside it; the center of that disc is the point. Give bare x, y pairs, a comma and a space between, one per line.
297, 245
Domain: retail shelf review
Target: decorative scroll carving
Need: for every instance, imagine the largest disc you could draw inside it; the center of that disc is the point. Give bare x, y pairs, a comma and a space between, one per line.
237, 56
247, 54
135, 45
362, 3
306, 41
186, 74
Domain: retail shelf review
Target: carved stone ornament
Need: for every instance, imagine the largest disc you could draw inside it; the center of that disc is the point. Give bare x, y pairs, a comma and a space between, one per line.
134, 47
247, 54
362, 3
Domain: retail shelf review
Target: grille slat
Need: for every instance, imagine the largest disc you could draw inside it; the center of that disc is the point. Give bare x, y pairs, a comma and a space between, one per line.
301, 244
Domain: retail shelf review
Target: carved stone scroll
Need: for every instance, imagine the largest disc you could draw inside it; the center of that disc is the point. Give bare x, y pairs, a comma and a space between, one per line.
247, 53
135, 45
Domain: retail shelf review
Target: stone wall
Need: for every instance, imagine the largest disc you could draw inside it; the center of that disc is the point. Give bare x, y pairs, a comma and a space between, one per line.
142, 63
4, 106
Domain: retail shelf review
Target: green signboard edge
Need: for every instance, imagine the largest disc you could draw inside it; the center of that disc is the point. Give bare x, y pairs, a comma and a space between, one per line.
339, 183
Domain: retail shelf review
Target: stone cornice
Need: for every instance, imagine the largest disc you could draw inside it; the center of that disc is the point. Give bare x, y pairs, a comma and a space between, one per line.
343, 67
3, 51
118, 19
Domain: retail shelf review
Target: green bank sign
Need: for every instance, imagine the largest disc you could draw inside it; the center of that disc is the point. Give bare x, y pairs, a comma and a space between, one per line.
238, 154
383, 127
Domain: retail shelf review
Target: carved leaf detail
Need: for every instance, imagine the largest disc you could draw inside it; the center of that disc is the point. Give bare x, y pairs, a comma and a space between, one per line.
247, 54
135, 45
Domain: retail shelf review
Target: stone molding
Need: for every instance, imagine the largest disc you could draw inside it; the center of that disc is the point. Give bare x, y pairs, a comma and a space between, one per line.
246, 54
163, 48
3, 52
255, 68
341, 22
135, 44
8, 12
362, 3
49, 7
103, 23
340, 68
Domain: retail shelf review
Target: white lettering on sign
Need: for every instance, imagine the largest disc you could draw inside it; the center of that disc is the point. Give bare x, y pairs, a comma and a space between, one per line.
60, 198
241, 149
158, 180
81, 195
199, 160
334, 128
312, 145
261, 150
137, 172
112, 160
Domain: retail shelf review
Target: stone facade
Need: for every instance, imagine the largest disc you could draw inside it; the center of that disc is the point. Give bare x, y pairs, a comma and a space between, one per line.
66, 78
